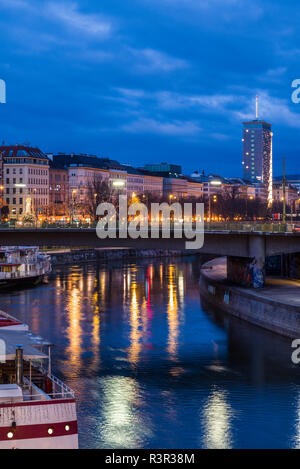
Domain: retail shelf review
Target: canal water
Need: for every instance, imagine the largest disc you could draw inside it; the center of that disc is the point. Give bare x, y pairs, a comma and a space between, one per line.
153, 367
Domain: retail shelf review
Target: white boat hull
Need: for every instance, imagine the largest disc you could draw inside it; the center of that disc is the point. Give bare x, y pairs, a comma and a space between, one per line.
59, 442
50, 424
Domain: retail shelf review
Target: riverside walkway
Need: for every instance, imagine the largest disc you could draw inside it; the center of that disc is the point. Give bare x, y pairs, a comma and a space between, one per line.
286, 291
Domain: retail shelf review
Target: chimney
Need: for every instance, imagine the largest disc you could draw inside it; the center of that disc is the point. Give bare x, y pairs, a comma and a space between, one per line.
19, 365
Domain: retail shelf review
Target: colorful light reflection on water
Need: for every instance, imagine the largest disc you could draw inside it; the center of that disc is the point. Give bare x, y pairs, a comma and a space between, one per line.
153, 368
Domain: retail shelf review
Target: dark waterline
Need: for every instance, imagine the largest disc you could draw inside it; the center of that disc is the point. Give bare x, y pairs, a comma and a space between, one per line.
153, 368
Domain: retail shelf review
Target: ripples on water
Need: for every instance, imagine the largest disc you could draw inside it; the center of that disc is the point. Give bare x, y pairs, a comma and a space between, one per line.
153, 368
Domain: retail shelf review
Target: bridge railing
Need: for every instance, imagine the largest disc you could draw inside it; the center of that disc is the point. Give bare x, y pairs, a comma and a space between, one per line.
248, 227
209, 226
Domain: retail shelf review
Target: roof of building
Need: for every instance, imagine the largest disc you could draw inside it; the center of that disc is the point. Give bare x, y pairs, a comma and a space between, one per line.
198, 177
241, 181
13, 151
52, 166
257, 122
61, 160
163, 167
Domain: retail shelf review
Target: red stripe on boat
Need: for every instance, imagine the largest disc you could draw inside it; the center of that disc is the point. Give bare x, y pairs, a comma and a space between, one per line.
9, 322
26, 432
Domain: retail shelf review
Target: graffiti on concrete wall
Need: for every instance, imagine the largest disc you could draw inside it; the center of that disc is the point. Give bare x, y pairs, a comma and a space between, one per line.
245, 272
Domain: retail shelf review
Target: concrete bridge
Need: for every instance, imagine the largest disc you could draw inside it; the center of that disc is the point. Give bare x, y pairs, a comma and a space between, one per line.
242, 248
220, 243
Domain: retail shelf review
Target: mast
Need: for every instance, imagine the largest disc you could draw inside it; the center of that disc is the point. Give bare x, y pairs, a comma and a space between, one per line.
256, 113
283, 194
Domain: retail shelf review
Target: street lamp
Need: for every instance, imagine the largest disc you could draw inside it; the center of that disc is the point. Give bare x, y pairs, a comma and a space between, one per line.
35, 207
2, 201
74, 191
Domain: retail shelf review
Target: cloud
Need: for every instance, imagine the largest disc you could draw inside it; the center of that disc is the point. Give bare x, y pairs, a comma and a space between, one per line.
151, 126
215, 102
273, 75
150, 61
93, 55
68, 13
129, 97
274, 110
237, 107
131, 93
13, 4
175, 101
218, 11
54, 24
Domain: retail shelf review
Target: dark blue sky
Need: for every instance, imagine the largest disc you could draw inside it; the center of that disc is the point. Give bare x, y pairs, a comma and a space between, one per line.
150, 80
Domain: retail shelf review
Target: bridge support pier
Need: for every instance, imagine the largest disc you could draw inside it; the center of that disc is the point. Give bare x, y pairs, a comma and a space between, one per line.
286, 265
249, 271
291, 265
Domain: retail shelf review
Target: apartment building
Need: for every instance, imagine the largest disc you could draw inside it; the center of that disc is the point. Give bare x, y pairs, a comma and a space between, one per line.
153, 185
291, 194
25, 181
82, 180
194, 189
58, 191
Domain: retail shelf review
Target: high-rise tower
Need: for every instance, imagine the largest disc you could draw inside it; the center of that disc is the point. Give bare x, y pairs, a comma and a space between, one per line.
257, 152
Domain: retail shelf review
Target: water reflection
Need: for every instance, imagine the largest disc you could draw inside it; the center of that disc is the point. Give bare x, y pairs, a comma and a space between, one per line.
122, 423
153, 368
74, 331
217, 415
172, 312
135, 322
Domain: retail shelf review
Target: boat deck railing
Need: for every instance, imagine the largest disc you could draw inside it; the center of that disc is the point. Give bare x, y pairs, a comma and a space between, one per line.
41, 257
57, 390
61, 388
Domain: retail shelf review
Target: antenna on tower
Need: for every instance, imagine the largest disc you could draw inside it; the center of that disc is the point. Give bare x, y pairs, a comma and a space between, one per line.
256, 107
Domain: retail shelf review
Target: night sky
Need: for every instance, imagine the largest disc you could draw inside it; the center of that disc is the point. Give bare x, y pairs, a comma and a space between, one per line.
145, 81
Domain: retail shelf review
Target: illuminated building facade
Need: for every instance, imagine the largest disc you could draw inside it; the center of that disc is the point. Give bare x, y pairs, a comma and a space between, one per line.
58, 191
25, 181
153, 185
257, 154
291, 194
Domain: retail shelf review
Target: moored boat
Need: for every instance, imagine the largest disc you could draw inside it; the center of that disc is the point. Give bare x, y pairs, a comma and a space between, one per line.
23, 265
37, 410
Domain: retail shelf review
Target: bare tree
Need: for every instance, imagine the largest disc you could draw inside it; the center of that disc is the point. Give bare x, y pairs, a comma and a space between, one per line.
98, 191
230, 206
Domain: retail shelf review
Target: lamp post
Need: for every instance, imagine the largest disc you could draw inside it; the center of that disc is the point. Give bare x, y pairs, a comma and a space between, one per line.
283, 195
35, 206
74, 191
95, 206
2, 201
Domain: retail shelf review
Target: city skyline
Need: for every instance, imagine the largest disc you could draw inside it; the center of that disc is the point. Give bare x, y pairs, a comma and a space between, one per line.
134, 82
